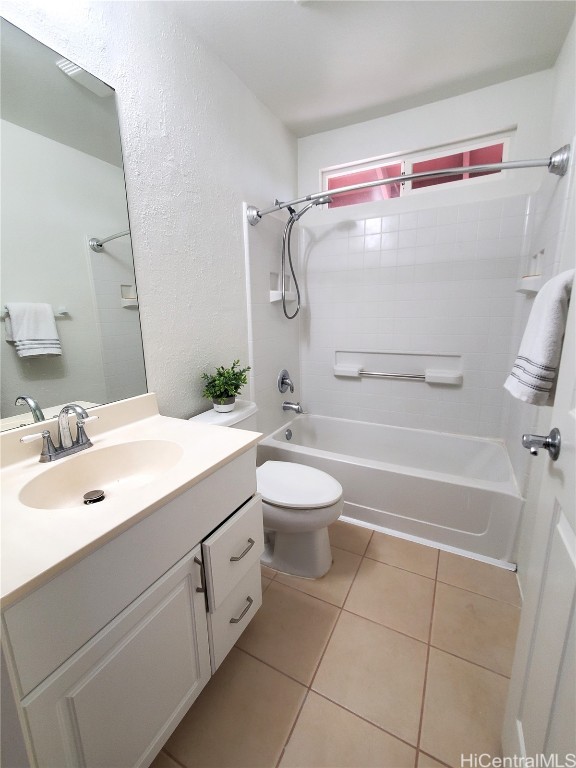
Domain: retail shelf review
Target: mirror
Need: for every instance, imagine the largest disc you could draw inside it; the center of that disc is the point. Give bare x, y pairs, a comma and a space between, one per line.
63, 185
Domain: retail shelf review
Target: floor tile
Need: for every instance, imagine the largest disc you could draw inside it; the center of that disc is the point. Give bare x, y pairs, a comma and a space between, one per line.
475, 627
485, 579
290, 631
425, 761
164, 761
403, 554
376, 673
463, 709
242, 718
265, 583
268, 573
393, 597
352, 538
335, 585
327, 736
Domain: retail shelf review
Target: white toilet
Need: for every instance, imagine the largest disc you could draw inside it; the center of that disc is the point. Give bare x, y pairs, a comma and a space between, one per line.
299, 503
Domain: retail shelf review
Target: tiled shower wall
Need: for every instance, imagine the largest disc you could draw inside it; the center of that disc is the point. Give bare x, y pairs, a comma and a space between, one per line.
439, 280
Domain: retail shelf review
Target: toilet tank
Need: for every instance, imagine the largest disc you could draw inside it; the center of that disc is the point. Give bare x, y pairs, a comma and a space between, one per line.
242, 417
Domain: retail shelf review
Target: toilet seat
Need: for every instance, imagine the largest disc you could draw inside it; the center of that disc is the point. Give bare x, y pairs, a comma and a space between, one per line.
296, 486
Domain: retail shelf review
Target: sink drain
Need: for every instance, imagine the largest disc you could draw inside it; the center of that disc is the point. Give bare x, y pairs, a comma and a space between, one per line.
93, 497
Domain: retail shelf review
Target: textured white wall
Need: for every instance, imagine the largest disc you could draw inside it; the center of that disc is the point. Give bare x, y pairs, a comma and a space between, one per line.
196, 143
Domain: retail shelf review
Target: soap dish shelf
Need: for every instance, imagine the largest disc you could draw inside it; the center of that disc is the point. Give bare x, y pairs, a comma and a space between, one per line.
277, 296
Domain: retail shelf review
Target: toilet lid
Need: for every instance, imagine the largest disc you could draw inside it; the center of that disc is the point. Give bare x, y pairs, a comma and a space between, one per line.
285, 484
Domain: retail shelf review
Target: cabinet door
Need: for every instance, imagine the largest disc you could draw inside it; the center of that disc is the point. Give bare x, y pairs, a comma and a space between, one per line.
115, 702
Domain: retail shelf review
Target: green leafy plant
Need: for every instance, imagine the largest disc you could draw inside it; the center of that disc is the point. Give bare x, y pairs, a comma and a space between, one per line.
225, 382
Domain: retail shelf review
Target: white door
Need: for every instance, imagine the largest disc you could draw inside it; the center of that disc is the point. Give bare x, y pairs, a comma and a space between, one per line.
541, 710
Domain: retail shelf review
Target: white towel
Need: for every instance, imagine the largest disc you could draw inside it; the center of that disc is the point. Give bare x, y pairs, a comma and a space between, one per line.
32, 329
534, 372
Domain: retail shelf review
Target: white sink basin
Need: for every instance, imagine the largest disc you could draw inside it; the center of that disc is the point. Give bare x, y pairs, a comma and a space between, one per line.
113, 469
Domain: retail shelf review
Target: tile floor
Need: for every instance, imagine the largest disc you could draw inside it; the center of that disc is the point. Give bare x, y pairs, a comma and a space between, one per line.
398, 658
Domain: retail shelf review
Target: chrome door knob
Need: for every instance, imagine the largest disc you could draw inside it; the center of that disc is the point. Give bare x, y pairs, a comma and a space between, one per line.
550, 443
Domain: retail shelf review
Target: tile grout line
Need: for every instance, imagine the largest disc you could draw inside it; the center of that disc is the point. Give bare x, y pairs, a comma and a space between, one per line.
469, 661
420, 726
366, 720
480, 594
309, 687
182, 765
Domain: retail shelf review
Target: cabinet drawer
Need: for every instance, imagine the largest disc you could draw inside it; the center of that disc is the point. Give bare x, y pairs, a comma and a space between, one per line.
232, 550
232, 617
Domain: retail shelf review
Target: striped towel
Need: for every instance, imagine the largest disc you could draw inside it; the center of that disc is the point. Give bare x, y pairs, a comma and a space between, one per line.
32, 329
534, 372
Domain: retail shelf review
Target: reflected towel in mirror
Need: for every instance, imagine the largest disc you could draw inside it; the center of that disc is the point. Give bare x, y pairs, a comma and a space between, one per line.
32, 329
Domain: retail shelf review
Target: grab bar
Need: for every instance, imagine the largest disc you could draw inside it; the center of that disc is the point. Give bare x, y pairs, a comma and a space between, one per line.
430, 375
379, 375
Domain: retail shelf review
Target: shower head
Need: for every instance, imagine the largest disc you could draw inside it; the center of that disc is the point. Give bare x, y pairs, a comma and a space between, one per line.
319, 201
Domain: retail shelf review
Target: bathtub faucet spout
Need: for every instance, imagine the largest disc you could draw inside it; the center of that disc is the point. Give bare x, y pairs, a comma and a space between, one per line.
296, 407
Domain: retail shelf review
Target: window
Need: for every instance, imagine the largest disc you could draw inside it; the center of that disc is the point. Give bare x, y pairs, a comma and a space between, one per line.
481, 153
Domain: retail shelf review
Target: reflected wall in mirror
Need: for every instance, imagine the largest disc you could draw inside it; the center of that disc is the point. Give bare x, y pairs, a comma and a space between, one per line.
63, 184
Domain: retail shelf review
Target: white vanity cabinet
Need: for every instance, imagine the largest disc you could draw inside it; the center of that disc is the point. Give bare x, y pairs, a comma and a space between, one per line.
115, 702
106, 658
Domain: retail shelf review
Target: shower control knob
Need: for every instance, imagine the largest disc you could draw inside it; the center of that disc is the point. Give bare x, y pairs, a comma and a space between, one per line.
550, 443
284, 381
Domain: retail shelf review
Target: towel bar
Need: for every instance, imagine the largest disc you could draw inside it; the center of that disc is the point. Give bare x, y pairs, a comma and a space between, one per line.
62, 312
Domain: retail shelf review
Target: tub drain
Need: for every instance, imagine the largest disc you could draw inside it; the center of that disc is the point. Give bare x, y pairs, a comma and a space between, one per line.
93, 497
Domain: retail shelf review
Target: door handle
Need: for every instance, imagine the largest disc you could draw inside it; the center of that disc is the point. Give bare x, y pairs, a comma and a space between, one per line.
244, 612
202, 587
550, 443
251, 543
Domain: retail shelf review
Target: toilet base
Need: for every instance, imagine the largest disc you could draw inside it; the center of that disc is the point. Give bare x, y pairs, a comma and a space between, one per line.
306, 554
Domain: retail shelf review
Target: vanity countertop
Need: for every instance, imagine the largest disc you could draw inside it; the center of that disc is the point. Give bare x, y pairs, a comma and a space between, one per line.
39, 543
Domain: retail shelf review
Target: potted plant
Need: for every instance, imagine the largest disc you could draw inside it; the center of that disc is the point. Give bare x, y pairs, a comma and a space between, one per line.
222, 386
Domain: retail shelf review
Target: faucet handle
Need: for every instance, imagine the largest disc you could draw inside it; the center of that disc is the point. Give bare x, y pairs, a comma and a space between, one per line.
284, 381
85, 421
81, 436
48, 452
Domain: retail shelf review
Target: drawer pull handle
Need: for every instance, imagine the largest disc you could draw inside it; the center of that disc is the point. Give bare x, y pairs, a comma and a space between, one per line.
202, 587
244, 612
251, 543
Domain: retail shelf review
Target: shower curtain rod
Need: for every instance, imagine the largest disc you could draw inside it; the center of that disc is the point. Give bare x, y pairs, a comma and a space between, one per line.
97, 244
557, 163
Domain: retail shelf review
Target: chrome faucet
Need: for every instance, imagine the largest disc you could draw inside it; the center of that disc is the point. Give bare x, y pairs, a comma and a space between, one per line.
284, 381
64, 433
66, 445
35, 409
296, 407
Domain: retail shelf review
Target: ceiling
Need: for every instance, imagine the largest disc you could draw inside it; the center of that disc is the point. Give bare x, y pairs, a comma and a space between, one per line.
323, 64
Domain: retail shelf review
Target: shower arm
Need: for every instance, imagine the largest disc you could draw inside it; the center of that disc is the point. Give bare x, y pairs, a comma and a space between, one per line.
98, 245
557, 163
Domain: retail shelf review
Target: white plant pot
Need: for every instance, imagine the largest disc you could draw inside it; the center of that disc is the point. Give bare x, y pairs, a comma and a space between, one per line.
226, 406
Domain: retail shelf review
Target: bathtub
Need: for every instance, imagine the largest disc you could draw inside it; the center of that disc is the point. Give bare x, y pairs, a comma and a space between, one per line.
455, 492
